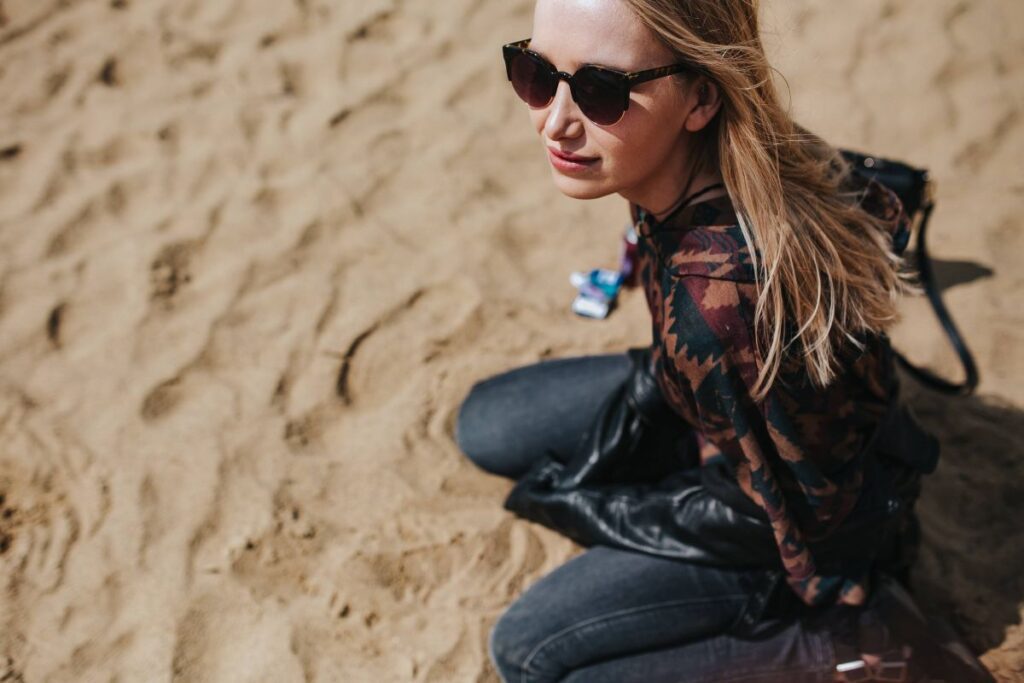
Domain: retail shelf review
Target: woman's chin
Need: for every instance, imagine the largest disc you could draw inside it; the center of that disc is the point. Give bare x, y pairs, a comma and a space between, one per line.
579, 188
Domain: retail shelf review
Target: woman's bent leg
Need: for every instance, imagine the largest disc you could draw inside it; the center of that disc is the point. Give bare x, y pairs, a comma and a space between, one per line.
608, 603
508, 420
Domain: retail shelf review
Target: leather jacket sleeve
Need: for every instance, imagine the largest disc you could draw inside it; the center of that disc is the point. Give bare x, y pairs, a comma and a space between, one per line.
676, 517
592, 500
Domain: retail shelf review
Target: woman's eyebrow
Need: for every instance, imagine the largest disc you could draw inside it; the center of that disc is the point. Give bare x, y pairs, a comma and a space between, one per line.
581, 64
607, 66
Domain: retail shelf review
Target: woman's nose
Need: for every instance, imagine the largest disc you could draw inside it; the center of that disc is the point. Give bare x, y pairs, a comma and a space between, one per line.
563, 115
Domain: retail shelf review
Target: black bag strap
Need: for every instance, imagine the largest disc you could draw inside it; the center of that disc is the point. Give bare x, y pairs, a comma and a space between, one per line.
915, 188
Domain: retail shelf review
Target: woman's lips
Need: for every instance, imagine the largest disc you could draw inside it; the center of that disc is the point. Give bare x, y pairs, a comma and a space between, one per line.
564, 161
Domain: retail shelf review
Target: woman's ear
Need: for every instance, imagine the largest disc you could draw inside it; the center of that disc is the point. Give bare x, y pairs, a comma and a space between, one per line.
707, 103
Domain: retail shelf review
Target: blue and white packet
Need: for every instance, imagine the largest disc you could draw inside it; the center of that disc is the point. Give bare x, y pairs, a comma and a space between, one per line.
597, 291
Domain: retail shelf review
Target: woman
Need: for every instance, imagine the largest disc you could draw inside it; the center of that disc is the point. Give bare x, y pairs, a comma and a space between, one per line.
771, 276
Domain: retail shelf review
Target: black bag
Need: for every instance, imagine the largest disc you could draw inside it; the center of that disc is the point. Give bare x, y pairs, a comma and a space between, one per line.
915, 189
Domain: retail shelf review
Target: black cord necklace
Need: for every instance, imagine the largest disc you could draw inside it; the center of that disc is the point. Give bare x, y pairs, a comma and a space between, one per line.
642, 214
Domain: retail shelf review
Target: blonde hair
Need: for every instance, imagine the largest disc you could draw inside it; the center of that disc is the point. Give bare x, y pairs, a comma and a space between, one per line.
826, 265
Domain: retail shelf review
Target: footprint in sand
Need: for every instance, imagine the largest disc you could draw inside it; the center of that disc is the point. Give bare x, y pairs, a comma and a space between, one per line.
428, 323
162, 399
169, 271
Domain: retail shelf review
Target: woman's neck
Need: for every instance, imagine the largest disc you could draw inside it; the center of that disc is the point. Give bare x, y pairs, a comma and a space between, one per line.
695, 191
661, 202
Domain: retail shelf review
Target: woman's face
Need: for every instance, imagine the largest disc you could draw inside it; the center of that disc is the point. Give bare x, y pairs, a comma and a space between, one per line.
643, 155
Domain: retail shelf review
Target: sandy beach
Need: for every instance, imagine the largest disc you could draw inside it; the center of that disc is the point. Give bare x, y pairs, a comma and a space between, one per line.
253, 254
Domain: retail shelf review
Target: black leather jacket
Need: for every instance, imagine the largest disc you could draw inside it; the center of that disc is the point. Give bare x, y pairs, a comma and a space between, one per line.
620, 490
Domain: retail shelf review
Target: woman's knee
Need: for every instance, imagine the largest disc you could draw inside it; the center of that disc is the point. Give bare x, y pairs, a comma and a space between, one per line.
499, 654
474, 435
463, 424
466, 424
509, 646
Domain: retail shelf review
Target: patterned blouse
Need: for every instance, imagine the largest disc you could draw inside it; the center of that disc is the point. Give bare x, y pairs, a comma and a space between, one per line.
797, 454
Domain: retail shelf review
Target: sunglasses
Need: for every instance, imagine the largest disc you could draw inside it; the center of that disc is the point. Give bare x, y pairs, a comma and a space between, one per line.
602, 94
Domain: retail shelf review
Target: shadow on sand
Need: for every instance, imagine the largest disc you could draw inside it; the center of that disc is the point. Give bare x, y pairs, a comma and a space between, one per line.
971, 563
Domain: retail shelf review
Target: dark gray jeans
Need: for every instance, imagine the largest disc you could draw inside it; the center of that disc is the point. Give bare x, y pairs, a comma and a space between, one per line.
611, 615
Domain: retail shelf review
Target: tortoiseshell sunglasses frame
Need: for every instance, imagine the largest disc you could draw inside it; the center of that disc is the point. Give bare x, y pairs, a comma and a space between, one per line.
625, 80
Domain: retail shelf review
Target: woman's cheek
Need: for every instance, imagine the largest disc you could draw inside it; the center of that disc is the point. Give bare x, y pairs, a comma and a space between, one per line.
622, 161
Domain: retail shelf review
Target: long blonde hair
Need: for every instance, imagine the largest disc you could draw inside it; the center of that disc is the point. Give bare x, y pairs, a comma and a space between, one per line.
827, 266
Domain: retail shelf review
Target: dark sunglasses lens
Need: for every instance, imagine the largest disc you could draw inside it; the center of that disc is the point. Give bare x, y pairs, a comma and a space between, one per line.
599, 95
531, 80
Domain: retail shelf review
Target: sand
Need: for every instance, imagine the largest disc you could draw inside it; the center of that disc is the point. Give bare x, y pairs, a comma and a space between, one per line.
253, 253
